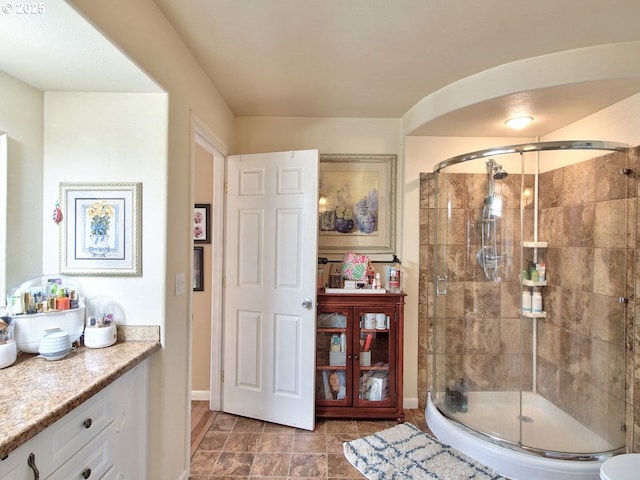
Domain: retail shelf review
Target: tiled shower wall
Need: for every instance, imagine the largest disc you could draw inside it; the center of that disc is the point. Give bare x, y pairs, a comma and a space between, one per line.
588, 348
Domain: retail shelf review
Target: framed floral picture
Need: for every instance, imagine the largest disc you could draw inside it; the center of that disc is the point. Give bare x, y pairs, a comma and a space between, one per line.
201, 225
100, 229
357, 204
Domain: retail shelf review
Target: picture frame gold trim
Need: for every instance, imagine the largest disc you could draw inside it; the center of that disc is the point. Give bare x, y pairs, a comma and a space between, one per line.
121, 255
346, 181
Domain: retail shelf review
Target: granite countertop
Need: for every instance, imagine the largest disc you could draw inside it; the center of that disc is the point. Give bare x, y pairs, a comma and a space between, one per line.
35, 392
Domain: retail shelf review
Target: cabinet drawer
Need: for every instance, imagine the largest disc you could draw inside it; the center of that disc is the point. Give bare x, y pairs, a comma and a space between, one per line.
68, 435
92, 462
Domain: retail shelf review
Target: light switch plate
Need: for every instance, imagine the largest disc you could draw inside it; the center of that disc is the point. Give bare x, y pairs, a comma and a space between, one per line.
179, 287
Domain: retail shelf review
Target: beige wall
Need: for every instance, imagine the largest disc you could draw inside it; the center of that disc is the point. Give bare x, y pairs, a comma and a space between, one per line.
327, 135
111, 137
22, 118
141, 31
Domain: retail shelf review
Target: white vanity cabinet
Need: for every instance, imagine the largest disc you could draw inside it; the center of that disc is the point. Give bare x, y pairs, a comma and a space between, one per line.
105, 437
16, 465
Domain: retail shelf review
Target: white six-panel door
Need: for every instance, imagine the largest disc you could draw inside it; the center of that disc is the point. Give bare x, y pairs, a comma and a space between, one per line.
270, 276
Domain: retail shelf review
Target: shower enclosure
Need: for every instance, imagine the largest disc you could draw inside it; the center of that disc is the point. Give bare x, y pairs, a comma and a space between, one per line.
544, 382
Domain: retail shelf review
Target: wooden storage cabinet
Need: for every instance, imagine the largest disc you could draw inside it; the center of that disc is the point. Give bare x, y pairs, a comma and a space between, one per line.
359, 351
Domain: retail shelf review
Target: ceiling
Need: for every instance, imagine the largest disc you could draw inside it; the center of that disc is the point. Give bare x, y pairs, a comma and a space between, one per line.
463, 65
59, 50
379, 58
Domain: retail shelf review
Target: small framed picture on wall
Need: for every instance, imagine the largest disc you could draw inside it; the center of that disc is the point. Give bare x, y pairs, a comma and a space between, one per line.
198, 269
201, 223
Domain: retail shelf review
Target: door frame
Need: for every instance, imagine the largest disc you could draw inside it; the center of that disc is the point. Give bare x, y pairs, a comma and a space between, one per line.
209, 141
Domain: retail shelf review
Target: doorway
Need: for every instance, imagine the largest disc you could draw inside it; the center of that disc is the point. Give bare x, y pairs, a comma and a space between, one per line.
206, 328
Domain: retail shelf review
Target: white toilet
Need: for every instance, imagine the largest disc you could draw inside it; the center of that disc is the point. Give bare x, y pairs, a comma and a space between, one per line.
621, 467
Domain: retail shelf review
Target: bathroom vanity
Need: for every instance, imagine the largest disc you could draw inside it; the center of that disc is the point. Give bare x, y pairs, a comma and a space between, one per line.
84, 416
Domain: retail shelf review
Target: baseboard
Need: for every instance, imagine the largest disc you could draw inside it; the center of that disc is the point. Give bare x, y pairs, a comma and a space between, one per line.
200, 395
410, 403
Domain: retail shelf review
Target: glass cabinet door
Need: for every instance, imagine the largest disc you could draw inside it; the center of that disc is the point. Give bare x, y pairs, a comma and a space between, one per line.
375, 344
333, 340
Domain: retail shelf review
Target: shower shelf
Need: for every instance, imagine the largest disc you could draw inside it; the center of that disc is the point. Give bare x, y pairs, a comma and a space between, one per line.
534, 315
531, 283
535, 244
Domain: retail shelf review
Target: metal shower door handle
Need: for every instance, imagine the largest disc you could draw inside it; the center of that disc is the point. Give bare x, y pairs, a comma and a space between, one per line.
307, 303
441, 285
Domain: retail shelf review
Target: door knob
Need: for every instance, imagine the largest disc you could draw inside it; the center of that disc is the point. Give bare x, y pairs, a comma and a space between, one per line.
307, 303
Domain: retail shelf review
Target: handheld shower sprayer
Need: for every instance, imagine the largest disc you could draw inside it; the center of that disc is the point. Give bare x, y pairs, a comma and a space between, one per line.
488, 257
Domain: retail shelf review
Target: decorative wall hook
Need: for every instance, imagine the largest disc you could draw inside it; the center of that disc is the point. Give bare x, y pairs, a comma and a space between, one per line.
57, 213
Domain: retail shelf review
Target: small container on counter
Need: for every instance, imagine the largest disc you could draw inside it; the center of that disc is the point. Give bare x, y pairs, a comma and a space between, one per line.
100, 330
8, 347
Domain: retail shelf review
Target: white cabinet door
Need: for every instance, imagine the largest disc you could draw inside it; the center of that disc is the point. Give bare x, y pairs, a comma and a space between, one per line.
130, 399
16, 465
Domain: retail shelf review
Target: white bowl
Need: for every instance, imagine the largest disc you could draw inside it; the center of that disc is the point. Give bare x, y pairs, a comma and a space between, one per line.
45, 347
51, 344
55, 355
8, 353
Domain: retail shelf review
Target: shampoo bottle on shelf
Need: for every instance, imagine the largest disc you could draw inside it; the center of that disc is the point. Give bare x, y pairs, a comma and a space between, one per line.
542, 272
526, 300
536, 301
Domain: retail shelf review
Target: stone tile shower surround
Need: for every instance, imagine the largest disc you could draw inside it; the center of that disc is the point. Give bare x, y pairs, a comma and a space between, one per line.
582, 345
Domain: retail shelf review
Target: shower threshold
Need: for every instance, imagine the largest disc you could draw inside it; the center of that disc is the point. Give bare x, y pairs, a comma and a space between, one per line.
548, 430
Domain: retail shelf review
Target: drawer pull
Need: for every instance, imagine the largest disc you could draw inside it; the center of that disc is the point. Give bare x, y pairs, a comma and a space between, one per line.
86, 473
87, 423
32, 464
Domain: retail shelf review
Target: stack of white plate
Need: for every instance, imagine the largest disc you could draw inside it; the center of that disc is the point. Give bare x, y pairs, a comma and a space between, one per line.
55, 344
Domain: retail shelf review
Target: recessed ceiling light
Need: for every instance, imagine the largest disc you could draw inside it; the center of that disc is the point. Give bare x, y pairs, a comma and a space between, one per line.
518, 122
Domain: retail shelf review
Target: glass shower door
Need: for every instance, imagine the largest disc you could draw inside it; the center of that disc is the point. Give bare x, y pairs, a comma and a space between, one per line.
550, 381
477, 346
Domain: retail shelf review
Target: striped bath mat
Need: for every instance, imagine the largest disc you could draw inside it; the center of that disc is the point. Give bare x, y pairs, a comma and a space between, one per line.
405, 452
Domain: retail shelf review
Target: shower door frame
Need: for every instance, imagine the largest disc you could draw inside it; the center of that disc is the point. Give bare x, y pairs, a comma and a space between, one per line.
441, 277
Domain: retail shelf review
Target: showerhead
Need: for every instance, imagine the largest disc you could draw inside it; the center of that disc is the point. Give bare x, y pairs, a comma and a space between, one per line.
499, 173
495, 170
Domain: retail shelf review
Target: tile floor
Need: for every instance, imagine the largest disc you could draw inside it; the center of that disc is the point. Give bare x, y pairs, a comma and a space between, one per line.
240, 448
